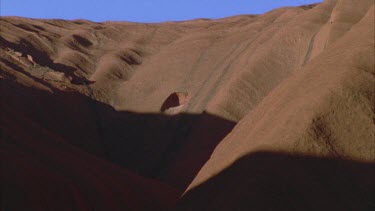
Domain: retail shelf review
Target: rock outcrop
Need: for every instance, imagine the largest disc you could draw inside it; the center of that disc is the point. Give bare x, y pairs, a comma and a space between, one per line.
253, 112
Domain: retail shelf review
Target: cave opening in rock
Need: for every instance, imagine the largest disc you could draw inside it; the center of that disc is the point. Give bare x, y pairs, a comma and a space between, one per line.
176, 99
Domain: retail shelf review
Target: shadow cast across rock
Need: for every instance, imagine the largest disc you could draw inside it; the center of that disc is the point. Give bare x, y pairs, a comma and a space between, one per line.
279, 181
51, 158
39, 129
153, 145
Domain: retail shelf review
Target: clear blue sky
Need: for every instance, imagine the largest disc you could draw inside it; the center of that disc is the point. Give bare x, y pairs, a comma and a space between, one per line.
140, 10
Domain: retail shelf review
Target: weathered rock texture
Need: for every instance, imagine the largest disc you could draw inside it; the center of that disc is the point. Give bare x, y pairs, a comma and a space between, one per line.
254, 112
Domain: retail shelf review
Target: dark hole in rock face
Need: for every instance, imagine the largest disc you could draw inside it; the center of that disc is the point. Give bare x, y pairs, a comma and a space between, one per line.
174, 100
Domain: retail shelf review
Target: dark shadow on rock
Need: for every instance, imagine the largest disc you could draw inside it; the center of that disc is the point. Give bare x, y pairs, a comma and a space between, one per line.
52, 157
205, 132
152, 145
276, 181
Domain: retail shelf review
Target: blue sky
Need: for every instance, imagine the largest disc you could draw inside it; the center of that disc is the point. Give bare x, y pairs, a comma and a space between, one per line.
140, 10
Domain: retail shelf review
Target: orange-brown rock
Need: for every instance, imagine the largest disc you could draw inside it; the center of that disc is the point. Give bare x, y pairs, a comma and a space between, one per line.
253, 112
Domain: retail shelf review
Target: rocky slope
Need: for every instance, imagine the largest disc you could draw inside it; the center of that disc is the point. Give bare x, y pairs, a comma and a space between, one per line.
274, 111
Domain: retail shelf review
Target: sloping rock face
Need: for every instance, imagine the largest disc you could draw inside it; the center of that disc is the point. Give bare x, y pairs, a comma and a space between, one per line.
310, 143
267, 112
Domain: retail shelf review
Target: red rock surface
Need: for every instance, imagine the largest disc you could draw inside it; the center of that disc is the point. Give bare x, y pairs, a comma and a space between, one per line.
253, 112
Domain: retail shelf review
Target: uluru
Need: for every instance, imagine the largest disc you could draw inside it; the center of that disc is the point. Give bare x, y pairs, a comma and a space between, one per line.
271, 111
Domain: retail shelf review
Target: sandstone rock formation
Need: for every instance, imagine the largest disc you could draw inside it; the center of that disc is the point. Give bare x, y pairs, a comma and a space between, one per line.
253, 112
